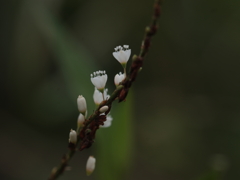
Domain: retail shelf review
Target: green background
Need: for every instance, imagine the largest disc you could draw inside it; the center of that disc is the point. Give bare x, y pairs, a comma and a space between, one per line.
181, 120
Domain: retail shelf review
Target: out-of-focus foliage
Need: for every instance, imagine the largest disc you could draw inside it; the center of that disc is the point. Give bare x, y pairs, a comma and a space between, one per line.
182, 121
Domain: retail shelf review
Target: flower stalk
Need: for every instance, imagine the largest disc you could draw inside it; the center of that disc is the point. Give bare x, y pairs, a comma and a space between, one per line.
87, 128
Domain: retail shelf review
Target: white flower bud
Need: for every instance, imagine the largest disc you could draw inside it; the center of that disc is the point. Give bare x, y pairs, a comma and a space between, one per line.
80, 120
90, 165
119, 78
103, 109
82, 105
73, 137
98, 96
122, 54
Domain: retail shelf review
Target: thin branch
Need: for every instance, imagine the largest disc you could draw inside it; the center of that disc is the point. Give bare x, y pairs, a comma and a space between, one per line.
86, 133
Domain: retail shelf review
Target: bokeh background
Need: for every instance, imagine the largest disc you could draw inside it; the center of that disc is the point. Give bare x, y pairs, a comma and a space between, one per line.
181, 120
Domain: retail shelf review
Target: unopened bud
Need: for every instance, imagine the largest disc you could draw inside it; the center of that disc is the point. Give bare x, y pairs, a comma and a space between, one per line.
73, 137
119, 78
82, 105
103, 109
80, 120
90, 165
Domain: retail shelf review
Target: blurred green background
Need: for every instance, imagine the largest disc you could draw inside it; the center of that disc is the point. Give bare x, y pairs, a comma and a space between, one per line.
181, 120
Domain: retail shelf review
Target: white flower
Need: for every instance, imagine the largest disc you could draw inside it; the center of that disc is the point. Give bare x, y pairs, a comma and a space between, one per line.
82, 105
98, 96
90, 165
119, 78
73, 137
122, 54
99, 79
103, 109
108, 122
80, 120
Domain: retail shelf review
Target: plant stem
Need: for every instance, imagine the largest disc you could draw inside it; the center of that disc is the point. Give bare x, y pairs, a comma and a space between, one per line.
119, 93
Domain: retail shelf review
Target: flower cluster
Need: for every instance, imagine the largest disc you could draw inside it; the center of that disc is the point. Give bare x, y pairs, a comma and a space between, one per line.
100, 96
99, 80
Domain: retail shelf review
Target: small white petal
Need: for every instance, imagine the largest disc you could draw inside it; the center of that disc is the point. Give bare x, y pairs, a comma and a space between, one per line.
128, 53
108, 122
115, 54
106, 95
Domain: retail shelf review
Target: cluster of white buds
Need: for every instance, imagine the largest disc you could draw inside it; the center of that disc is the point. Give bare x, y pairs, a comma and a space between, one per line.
99, 80
122, 55
82, 107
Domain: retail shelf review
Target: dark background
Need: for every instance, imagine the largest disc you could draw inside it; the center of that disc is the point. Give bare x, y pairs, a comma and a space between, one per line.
181, 120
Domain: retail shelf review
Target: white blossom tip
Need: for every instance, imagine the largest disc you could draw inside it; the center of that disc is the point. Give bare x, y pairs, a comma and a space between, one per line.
73, 137
90, 165
82, 105
122, 54
80, 120
99, 79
